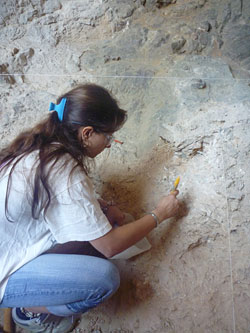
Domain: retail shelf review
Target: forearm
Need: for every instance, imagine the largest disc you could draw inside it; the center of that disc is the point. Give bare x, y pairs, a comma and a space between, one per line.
121, 238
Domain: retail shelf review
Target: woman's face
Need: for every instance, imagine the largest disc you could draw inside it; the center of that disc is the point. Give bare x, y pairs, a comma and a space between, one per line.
95, 142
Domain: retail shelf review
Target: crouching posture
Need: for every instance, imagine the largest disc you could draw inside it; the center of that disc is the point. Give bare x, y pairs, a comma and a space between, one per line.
56, 236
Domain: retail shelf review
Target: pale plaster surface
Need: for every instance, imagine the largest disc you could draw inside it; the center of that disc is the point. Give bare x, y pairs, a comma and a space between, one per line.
188, 106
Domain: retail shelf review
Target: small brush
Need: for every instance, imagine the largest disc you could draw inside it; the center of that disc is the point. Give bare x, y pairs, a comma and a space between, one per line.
176, 183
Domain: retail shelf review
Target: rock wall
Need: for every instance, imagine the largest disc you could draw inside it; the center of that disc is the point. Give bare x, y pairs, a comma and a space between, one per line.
182, 70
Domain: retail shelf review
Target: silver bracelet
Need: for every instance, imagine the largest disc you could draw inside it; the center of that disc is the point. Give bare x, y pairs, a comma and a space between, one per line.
155, 218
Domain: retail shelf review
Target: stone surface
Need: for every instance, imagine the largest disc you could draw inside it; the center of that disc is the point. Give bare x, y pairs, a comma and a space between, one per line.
236, 156
181, 69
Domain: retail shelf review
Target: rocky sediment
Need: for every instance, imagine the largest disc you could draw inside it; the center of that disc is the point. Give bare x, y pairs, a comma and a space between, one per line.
182, 70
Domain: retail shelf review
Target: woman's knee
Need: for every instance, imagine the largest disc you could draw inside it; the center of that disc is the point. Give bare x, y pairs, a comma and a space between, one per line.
104, 284
110, 276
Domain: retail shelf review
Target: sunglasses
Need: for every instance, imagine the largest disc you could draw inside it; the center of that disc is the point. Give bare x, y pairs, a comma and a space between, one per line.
110, 139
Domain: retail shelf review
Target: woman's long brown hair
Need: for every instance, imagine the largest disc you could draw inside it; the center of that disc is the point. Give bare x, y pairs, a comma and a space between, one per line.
87, 105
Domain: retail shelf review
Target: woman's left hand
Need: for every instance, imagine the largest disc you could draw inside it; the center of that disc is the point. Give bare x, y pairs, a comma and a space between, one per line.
115, 215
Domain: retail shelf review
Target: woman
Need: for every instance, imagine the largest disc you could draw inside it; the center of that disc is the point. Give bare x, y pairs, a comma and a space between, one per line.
47, 202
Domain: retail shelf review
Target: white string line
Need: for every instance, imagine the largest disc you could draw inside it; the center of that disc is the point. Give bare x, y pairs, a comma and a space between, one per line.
229, 240
130, 77
182, 58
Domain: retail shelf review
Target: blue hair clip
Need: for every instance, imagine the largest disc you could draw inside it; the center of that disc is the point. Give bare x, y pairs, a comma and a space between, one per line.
59, 108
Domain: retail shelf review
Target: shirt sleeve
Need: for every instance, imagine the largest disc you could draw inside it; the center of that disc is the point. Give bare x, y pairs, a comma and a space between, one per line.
75, 214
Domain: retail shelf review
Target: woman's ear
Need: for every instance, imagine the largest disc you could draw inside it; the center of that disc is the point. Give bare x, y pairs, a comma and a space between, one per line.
86, 133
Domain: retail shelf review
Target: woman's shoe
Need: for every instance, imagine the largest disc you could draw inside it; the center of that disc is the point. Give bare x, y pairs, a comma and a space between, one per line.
44, 322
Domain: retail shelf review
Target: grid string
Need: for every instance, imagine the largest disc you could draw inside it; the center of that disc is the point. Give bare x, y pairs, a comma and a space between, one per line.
129, 76
229, 241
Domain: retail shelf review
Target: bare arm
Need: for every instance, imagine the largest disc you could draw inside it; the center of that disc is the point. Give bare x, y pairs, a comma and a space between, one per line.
120, 238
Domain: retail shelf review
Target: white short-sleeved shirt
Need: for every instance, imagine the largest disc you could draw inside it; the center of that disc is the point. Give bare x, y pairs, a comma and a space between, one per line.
74, 214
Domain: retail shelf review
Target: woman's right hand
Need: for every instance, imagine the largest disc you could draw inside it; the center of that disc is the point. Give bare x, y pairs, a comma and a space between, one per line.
121, 238
167, 207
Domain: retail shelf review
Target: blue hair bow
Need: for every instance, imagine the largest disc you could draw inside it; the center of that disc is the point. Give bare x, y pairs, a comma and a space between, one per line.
59, 108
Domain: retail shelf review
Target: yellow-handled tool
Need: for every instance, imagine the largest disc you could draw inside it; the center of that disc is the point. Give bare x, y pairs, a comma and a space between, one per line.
176, 183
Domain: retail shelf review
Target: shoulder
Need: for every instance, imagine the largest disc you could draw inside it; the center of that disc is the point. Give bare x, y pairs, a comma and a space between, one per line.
65, 174
66, 167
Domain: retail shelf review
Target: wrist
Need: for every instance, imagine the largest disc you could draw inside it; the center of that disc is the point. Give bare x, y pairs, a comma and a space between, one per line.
157, 221
158, 214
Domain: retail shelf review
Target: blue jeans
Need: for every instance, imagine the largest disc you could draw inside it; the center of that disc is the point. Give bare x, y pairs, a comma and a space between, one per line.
65, 284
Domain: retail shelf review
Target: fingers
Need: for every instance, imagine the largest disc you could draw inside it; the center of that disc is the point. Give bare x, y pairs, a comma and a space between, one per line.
119, 216
115, 215
120, 219
175, 193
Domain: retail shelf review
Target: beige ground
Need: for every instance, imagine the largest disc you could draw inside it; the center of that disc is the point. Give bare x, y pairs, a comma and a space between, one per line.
188, 116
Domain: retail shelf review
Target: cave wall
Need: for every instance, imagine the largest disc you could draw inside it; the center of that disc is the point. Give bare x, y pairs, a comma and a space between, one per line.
182, 70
